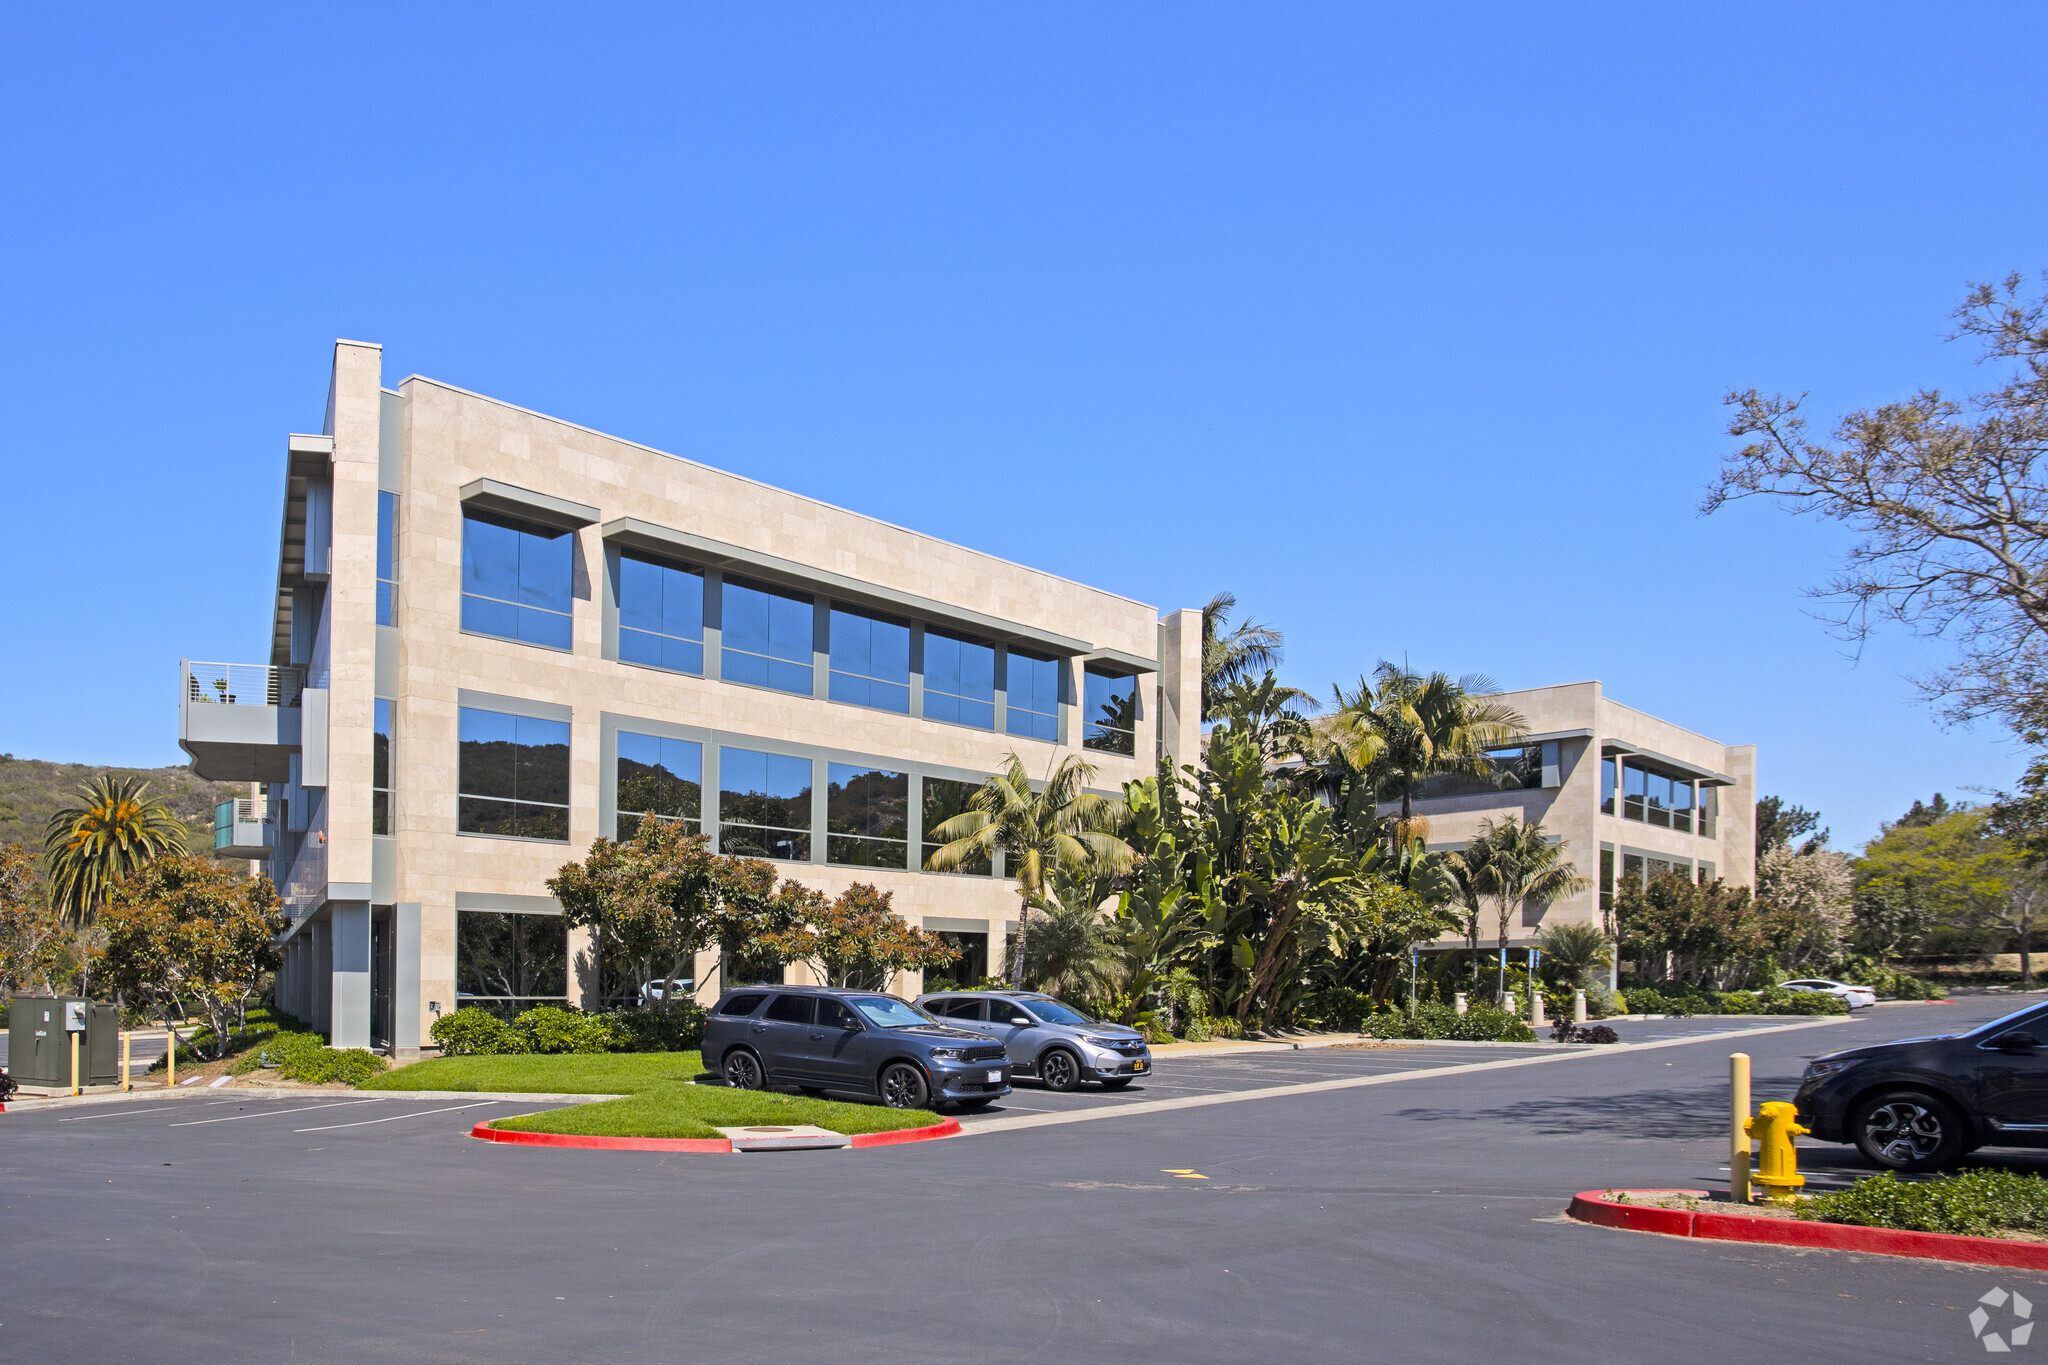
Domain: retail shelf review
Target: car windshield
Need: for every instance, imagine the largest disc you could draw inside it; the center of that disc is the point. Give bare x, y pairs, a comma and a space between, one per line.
1053, 1012
2032, 1014
886, 1011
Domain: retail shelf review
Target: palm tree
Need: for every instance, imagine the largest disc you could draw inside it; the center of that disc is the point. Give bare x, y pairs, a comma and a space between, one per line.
1521, 864
1576, 950
118, 828
1407, 727
1060, 827
1075, 954
1246, 651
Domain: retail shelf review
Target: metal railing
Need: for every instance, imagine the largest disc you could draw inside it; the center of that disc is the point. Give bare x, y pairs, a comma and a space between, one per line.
242, 684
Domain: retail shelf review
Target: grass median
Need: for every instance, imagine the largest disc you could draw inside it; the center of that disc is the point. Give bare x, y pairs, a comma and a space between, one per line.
667, 1094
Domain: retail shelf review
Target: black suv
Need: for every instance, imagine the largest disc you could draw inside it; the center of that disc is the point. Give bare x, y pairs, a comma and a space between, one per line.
1920, 1103
858, 1044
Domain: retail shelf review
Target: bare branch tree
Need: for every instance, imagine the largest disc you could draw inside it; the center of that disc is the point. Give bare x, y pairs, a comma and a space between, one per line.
1947, 500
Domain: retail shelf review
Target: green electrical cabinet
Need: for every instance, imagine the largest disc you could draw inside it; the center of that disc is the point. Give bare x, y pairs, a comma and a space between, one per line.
39, 1029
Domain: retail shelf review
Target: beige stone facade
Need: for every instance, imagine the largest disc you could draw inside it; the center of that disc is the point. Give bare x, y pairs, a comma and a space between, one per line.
1583, 753
373, 952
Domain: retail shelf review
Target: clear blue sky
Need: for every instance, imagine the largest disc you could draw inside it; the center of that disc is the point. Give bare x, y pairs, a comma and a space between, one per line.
1408, 324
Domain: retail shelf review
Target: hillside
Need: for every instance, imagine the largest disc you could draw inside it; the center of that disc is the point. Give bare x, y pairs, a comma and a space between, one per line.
31, 790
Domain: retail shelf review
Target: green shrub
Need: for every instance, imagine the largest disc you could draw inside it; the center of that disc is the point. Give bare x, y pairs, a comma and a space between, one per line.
476, 1033
1480, 1023
1739, 1002
1227, 1028
552, 1029
1804, 1002
1971, 1202
306, 1057
679, 1029
1201, 1030
1648, 1000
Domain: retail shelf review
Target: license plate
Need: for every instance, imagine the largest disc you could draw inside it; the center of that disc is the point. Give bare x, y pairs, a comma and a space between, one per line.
1137, 1066
995, 1077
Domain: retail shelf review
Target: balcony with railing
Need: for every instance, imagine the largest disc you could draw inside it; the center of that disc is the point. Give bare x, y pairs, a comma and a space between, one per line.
240, 722
242, 828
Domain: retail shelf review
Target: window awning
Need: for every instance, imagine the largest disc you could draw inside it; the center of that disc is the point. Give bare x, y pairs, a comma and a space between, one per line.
1678, 766
488, 495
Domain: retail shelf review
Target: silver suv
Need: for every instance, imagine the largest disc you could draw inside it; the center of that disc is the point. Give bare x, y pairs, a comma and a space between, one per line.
1057, 1043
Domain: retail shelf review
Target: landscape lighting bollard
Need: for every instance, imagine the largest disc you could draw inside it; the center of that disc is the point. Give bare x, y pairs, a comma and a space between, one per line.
74, 1063
1578, 1007
1536, 1019
171, 1061
1508, 1003
1458, 1002
126, 1038
1738, 1110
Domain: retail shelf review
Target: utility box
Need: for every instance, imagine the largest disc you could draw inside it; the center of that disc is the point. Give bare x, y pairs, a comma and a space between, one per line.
39, 1033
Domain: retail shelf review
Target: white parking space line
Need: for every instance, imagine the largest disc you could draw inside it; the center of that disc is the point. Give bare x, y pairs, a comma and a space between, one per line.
275, 1113
393, 1118
160, 1109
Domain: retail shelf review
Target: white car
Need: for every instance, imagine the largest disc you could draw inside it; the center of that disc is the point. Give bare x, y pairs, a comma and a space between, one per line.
1859, 997
667, 990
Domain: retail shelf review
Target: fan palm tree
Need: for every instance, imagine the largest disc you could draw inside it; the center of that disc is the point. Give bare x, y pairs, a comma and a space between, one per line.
1406, 727
117, 828
1575, 950
1521, 864
1241, 654
1075, 954
1059, 827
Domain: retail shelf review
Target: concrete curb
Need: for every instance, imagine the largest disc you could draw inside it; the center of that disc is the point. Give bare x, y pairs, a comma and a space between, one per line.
1598, 1208
703, 1146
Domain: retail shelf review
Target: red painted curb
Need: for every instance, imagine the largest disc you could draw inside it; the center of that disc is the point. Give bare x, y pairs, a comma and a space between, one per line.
603, 1144
709, 1145
1593, 1206
938, 1130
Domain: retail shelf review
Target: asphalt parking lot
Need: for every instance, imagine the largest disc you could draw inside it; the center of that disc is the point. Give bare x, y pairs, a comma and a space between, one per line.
1414, 1216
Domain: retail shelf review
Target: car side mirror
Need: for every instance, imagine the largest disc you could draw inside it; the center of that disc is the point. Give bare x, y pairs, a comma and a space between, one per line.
1019, 1021
2017, 1042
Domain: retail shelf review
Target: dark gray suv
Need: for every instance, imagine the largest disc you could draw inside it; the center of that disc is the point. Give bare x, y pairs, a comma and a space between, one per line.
1055, 1042
853, 1044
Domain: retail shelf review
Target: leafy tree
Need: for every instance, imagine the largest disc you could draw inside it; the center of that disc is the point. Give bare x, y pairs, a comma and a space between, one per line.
1058, 826
1808, 899
1075, 954
1778, 824
1710, 935
1518, 863
1925, 813
183, 930
116, 829
857, 940
1964, 872
1888, 920
650, 899
1230, 654
1946, 501
34, 940
1404, 728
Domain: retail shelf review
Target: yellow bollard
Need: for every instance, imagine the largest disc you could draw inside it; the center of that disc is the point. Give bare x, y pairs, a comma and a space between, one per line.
171, 1061
1774, 1127
1738, 1110
126, 1039
74, 1064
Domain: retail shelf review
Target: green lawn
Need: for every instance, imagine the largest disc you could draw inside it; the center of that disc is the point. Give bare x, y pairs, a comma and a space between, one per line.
662, 1098
595, 1073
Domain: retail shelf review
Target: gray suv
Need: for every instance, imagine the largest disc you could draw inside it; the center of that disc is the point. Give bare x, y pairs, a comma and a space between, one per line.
1057, 1043
857, 1044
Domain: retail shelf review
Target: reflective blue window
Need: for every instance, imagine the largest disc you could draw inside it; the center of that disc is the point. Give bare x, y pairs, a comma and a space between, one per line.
661, 615
764, 804
1033, 697
513, 775
516, 580
387, 559
867, 816
767, 638
959, 681
1110, 707
870, 662
659, 777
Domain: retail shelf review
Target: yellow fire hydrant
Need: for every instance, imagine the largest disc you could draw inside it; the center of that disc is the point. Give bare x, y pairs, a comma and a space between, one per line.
1774, 1127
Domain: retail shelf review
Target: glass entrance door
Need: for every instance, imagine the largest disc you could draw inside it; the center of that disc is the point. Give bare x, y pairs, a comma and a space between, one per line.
383, 967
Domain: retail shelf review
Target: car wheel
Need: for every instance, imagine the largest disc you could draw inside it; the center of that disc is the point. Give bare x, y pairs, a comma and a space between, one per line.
1117, 1084
904, 1087
1909, 1130
743, 1070
1058, 1069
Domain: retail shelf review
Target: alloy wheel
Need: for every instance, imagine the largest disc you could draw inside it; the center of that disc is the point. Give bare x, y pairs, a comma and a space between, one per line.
1058, 1071
904, 1088
1903, 1131
742, 1072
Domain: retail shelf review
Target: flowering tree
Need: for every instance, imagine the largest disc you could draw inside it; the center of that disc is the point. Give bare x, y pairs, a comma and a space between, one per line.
858, 940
